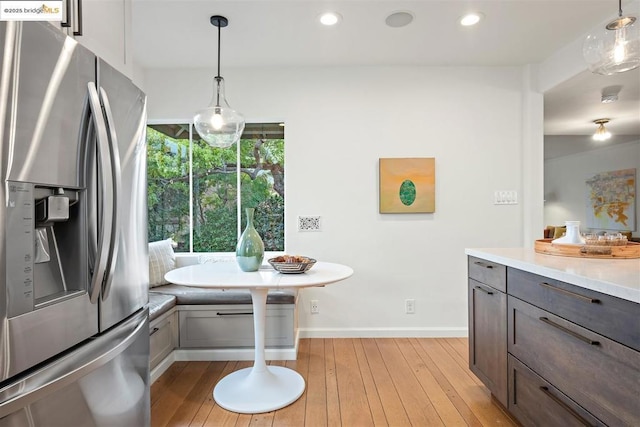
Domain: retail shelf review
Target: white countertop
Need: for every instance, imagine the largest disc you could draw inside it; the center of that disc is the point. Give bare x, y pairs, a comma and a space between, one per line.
616, 277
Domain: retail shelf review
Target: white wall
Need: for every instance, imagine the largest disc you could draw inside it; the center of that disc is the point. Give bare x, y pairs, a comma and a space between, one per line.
564, 181
339, 122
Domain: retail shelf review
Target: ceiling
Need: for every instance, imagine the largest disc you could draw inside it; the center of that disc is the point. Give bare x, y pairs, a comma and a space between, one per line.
274, 33
571, 107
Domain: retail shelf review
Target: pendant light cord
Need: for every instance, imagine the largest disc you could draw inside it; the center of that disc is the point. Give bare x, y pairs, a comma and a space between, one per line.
219, 50
619, 13
219, 21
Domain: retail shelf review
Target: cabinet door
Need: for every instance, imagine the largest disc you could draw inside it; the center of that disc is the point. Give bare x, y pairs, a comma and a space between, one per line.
162, 339
106, 29
66, 24
488, 337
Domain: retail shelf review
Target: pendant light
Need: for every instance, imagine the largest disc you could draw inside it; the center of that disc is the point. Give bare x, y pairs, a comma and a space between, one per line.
614, 48
602, 134
218, 124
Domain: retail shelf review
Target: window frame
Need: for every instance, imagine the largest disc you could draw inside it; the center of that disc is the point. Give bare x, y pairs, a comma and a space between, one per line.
239, 209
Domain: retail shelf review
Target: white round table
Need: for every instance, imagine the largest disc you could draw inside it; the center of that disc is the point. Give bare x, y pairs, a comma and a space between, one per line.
260, 388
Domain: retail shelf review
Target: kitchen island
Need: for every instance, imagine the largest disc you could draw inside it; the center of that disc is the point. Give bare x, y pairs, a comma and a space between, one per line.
556, 339
616, 277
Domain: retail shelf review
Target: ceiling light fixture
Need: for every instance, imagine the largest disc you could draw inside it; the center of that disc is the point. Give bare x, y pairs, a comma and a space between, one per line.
471, 19
614, 48
219, 125
602, 134
330, 18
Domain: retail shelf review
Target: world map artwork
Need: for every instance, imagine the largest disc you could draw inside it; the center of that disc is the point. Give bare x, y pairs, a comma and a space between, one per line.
611, 200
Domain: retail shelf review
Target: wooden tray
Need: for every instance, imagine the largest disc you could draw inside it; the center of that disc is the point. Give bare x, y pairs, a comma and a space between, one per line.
631, 250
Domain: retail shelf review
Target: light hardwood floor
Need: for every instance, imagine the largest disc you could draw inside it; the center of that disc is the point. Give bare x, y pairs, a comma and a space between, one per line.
350, 382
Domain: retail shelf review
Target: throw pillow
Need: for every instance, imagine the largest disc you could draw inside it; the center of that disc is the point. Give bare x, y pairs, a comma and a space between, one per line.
162, 259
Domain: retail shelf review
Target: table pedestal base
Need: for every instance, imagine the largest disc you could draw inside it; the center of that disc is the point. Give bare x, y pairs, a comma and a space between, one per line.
253, 391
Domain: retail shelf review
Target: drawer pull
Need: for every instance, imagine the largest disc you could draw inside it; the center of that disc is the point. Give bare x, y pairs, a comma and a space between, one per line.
480, 288
569, 331
247, 313
566, 407
482, 264
569, 293
154, 330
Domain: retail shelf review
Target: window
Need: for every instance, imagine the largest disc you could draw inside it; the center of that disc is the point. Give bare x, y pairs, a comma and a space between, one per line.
197, 193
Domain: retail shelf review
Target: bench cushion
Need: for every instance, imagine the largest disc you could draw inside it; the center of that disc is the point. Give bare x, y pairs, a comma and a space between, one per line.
186, 295
160, 304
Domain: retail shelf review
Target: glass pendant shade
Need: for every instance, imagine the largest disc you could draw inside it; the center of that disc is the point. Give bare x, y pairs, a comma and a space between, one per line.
613, 48
218, 124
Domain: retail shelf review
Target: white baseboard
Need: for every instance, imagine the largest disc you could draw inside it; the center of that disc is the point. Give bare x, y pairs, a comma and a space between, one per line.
383, 332
161, 367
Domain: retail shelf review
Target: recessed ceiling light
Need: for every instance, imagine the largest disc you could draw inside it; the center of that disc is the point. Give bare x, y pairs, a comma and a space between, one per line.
330, 18
471, 19
399, 19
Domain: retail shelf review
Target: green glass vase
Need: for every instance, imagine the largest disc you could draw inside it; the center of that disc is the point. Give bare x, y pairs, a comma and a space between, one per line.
250, 248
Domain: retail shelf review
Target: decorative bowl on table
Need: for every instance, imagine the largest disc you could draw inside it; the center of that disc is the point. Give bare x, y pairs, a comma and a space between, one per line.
291, 264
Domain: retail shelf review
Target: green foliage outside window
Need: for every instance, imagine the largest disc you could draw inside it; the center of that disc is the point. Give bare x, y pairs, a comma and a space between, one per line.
215, 190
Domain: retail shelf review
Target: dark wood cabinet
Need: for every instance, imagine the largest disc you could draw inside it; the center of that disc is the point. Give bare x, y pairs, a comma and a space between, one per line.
534, 401
599, 374
564, 355
612, 317
488, 326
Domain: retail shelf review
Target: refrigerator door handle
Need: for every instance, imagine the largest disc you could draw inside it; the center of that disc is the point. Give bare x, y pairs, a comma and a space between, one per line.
105, 196
49, 380
116, 186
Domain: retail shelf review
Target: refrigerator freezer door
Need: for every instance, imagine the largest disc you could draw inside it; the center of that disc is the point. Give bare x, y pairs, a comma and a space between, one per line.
103, 383
125, 113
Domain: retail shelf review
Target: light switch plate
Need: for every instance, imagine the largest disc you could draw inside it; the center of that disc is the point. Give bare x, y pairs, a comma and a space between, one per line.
505, 197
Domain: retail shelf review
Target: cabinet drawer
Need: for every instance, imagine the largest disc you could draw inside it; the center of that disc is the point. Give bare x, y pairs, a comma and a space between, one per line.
535, 402
487, 272
613, 317
599, 374
221, 326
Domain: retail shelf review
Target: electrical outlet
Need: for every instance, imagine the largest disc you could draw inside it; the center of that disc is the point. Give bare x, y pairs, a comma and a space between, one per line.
409, 306
315, 306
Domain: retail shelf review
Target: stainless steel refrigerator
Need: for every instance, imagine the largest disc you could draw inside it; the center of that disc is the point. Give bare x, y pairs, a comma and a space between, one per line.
74, 338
